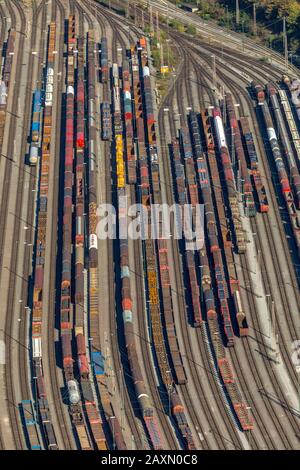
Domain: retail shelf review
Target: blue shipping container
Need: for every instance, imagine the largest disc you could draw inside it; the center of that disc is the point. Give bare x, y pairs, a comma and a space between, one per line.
98, 363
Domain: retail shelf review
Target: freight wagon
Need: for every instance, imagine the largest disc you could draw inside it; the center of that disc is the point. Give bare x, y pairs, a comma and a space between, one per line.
229, 182
30, 424
156, 258
37, 307
36, 116
260, 190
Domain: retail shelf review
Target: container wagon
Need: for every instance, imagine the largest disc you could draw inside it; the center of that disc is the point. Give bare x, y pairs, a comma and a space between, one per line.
30, 424
36, 116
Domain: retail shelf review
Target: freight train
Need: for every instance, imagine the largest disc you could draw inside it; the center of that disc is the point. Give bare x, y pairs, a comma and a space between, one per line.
31, 426
189, 256
81, 400
229, 180
44, 416
279, 163
208, 185
294, 88
210, 223
285, 142
260, 190
243, 179
110, 426
156, 254
130, 153
137, 378
5, 80
291, 123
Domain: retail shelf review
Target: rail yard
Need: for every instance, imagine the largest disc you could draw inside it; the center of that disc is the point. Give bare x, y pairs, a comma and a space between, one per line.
115, 336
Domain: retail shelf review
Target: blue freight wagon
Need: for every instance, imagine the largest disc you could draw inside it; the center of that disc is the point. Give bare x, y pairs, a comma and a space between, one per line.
30, 425
36, 116
98, 363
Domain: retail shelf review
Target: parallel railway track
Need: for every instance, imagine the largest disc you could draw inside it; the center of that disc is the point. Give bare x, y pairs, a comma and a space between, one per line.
117, 359
234, 87
222, 441
56, 397
10, 317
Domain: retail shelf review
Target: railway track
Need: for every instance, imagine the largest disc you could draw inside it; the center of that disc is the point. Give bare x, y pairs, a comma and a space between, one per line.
143, 335
184, 389
3, 28
240, 370
143, 327
27, 261
291, 320
116, 355
10, 316
286, 443
241, 96
239, 60
55, 377
222, 441
172, 442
